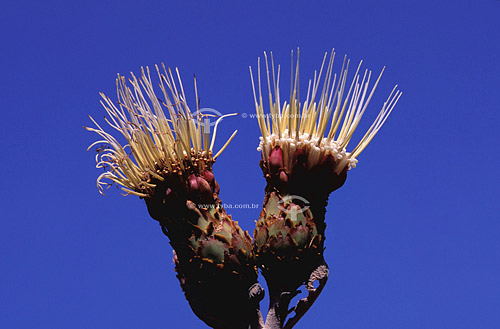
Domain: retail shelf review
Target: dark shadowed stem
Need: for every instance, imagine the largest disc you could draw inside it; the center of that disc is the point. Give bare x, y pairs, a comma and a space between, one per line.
258, 321
256, 294
320, 274
278, 310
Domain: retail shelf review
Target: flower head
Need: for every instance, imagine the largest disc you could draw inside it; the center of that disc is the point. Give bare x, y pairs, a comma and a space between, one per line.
323, 124
157, 143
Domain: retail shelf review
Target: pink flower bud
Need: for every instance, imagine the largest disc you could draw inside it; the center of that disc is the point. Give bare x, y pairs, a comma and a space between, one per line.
276, 159
209, 176
192, 183
205, 190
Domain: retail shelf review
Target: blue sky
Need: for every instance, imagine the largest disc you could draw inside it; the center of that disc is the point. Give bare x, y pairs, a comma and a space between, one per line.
412, 238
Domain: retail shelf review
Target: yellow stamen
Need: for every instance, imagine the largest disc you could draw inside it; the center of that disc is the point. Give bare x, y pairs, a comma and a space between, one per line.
156, 142
307, 122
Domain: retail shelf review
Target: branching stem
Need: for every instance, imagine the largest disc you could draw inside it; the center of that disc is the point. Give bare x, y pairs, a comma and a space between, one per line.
278, 309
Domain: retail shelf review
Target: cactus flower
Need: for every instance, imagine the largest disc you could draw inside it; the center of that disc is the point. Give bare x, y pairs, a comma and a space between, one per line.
167, 161
307, 150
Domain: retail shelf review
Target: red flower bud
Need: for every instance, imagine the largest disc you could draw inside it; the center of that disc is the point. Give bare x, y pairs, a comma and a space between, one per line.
209, 176
276, 159
205, 190
192, 183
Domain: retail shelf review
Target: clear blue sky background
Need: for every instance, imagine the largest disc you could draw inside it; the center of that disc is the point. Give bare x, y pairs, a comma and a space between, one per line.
413, 236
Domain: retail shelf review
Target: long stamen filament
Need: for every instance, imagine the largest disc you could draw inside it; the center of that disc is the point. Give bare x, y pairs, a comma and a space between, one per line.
157, 143
307, 123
